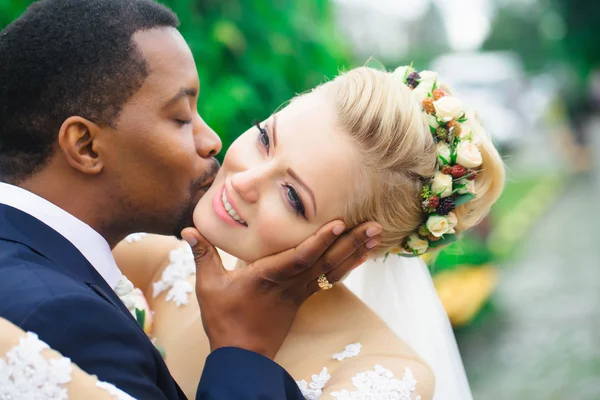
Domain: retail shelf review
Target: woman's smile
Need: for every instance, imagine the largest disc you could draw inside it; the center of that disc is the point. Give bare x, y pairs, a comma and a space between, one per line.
225, 208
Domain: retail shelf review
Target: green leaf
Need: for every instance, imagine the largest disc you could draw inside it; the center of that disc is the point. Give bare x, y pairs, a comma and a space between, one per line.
406, 255
462, 120
464, 198
457, 187
161, 350
444, 160
453, 157
432, 129
140, 316
446, 239
435, 84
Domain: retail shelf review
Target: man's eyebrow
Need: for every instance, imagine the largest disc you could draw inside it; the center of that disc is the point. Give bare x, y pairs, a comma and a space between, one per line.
183, 92
305, 186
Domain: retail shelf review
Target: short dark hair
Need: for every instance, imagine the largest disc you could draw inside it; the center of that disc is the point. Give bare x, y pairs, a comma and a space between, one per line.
63, 58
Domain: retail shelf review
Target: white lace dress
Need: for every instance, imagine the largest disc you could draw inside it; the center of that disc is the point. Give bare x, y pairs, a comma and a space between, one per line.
378, 383
25, 374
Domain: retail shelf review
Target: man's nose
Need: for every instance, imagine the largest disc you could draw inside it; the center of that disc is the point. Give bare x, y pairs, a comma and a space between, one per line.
208, 143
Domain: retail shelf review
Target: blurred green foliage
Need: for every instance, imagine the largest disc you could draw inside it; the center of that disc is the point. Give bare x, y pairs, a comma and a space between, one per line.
252, 55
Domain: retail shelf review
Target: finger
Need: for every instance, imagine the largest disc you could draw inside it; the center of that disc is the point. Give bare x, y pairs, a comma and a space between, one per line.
350, 246
285, 265
336, 276
338, 273
207, 259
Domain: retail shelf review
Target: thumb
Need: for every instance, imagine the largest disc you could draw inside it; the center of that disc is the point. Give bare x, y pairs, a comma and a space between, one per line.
206, 257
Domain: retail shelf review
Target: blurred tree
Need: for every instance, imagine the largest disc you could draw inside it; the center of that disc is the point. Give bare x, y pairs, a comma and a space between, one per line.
581, 45
252, 55
517, 29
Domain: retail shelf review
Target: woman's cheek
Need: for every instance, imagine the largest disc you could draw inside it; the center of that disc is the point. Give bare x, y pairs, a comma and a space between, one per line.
278, 233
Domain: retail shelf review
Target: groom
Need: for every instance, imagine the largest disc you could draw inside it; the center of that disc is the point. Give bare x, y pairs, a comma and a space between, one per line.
99, 138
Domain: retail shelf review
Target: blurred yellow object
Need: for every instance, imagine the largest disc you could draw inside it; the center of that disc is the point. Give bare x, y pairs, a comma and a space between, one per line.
464, 291
427, 257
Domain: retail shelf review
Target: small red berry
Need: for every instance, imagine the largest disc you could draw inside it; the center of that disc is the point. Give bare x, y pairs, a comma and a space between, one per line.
428, 105
438, 94
458, 171
472, 175
446, 170
454, 127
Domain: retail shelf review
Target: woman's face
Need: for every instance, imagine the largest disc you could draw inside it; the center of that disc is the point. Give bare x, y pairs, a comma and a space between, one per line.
280, 182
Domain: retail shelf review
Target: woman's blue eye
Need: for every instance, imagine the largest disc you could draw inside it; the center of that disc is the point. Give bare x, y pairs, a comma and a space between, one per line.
263, 137
295, 200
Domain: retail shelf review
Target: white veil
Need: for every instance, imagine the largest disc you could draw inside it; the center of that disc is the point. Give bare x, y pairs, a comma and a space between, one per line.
401, 292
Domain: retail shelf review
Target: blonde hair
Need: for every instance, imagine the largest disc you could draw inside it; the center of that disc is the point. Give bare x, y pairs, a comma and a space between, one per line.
399, 153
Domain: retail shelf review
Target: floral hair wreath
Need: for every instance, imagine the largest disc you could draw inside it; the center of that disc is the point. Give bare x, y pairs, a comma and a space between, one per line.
458, 162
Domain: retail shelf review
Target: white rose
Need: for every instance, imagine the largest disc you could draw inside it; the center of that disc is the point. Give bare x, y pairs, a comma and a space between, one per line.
468, 155
448, 108
402, 71
417, 244
420, 93
443, 152
452, 221
468, 188
441, 184
432, 121
428, 79
438, 225
446, 89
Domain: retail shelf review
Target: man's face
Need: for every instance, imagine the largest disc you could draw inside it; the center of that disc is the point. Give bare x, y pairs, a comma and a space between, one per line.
160, 155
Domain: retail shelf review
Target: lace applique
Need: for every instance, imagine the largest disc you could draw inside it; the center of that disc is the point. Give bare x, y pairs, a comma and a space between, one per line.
380, 384
174, 277
116, 393
26, 375
313, 390
135, 237
126, 292
352, 350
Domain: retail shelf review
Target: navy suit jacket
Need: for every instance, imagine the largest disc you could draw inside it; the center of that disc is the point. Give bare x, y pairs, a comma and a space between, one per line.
48, 287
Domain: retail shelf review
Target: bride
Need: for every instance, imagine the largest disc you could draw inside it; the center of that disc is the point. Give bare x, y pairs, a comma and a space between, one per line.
396, 148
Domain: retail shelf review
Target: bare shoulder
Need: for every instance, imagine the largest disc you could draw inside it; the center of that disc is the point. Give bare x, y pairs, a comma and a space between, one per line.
143, 256
389, 375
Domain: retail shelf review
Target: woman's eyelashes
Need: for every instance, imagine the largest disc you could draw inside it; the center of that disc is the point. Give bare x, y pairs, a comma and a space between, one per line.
263, 137
291, 194
294, 200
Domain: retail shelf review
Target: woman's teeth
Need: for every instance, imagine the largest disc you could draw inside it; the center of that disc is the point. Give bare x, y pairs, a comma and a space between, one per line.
230, 210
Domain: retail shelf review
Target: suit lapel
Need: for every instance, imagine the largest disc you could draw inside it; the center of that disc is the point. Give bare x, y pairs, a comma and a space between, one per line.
20, 227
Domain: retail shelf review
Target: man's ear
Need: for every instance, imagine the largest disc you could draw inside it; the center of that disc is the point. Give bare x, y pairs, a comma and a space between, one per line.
77, 139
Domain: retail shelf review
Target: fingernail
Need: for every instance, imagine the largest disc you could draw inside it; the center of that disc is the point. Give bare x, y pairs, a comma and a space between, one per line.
372, 231
372, 243
190, 240
338, 229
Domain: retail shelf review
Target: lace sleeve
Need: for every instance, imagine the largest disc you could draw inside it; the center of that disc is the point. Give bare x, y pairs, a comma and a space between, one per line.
370, 378
30, 370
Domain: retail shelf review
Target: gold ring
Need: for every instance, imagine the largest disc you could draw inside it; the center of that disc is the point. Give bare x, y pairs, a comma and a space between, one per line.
324, 283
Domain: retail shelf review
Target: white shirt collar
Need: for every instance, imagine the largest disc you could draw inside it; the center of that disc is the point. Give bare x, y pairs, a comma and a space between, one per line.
89, 242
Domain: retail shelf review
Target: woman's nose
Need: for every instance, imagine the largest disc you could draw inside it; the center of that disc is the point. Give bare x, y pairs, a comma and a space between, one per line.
249, 183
